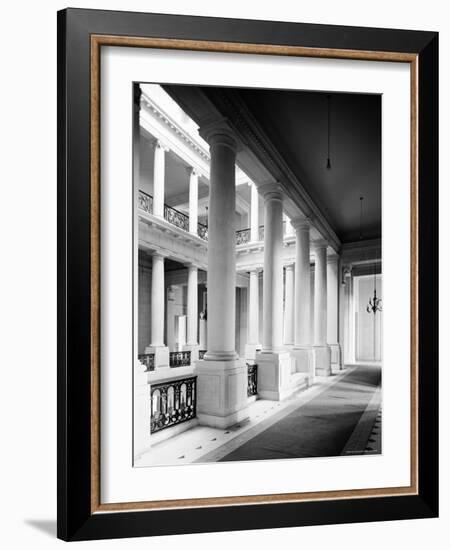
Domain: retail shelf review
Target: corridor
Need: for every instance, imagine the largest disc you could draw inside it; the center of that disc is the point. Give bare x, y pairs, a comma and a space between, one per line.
339, 415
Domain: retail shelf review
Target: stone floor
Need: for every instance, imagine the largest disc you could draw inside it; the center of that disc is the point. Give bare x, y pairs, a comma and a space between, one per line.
338, 415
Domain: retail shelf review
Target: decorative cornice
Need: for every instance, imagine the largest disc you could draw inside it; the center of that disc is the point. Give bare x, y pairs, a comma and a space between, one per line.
156, 111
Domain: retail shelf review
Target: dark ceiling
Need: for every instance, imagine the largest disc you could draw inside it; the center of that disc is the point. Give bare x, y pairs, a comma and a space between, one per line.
296, 122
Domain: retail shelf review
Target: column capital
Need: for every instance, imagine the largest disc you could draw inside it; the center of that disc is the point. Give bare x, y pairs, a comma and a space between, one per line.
289, 266
301, 223
333, 258
159, 254
220, 133
256, 270
160, 145
319, 245
271, 191
191, 171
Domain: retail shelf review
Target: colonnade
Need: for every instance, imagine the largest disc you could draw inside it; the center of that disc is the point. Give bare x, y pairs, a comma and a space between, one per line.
288, 345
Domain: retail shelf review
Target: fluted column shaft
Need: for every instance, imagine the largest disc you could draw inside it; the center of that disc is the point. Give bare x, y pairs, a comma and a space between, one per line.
289, 305
222, 249
193, 202
192, 306
302, 285
157, 297
320, 296
158, 180
273, 272
253, 308
254, 214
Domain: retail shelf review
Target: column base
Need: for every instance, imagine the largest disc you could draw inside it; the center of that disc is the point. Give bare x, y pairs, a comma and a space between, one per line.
277, 378
336, 356
322, 360
194, 349
161, 355
221, 392
251, 350
304, 361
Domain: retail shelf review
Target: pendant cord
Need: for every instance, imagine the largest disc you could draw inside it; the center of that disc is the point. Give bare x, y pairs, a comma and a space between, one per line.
360, 217
329, 131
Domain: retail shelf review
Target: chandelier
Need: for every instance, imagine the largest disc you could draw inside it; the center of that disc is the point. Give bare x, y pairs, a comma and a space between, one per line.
374, 304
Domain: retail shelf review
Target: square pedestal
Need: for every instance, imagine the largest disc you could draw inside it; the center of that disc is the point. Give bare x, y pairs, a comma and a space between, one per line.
304, 361
336, 355
251, 350
221, 392
274, 375
161, 355
322, 360
194, 349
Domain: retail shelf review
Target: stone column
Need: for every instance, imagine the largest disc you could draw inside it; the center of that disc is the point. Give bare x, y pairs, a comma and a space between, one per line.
158, 180
193, 201
157, 345
289, 305
222, 377
253, 316
322, 352
274, 363
254, 214
192, 313
333, 309
302, 334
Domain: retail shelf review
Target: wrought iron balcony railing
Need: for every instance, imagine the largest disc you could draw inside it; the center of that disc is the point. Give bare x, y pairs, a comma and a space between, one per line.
179, 358
172, 402
147, 359
145, 202
181, 220
176, 218
252, 380
242, 236
202, 231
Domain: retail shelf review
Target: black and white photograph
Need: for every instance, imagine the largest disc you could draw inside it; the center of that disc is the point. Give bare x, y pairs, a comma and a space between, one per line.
258, 282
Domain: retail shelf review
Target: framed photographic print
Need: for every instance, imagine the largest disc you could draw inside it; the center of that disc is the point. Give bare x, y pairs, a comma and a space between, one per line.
247, 252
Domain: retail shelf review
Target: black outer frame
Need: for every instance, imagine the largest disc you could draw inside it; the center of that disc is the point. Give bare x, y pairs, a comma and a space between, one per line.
75, 521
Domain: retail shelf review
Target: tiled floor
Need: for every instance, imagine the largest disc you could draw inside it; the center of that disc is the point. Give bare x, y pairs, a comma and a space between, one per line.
204, 444
197, 444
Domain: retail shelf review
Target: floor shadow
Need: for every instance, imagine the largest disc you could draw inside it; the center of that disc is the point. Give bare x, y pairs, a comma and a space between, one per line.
47, 526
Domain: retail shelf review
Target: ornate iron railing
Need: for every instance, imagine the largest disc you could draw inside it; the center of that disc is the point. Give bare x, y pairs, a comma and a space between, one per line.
175, 217
201, 354
181, 220
147, 359
172, 402
145, 202
252, 380
242, 236
179, 358
202, 231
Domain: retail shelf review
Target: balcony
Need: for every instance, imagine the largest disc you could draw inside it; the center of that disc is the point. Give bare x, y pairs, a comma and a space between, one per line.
181, 220
171, 215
